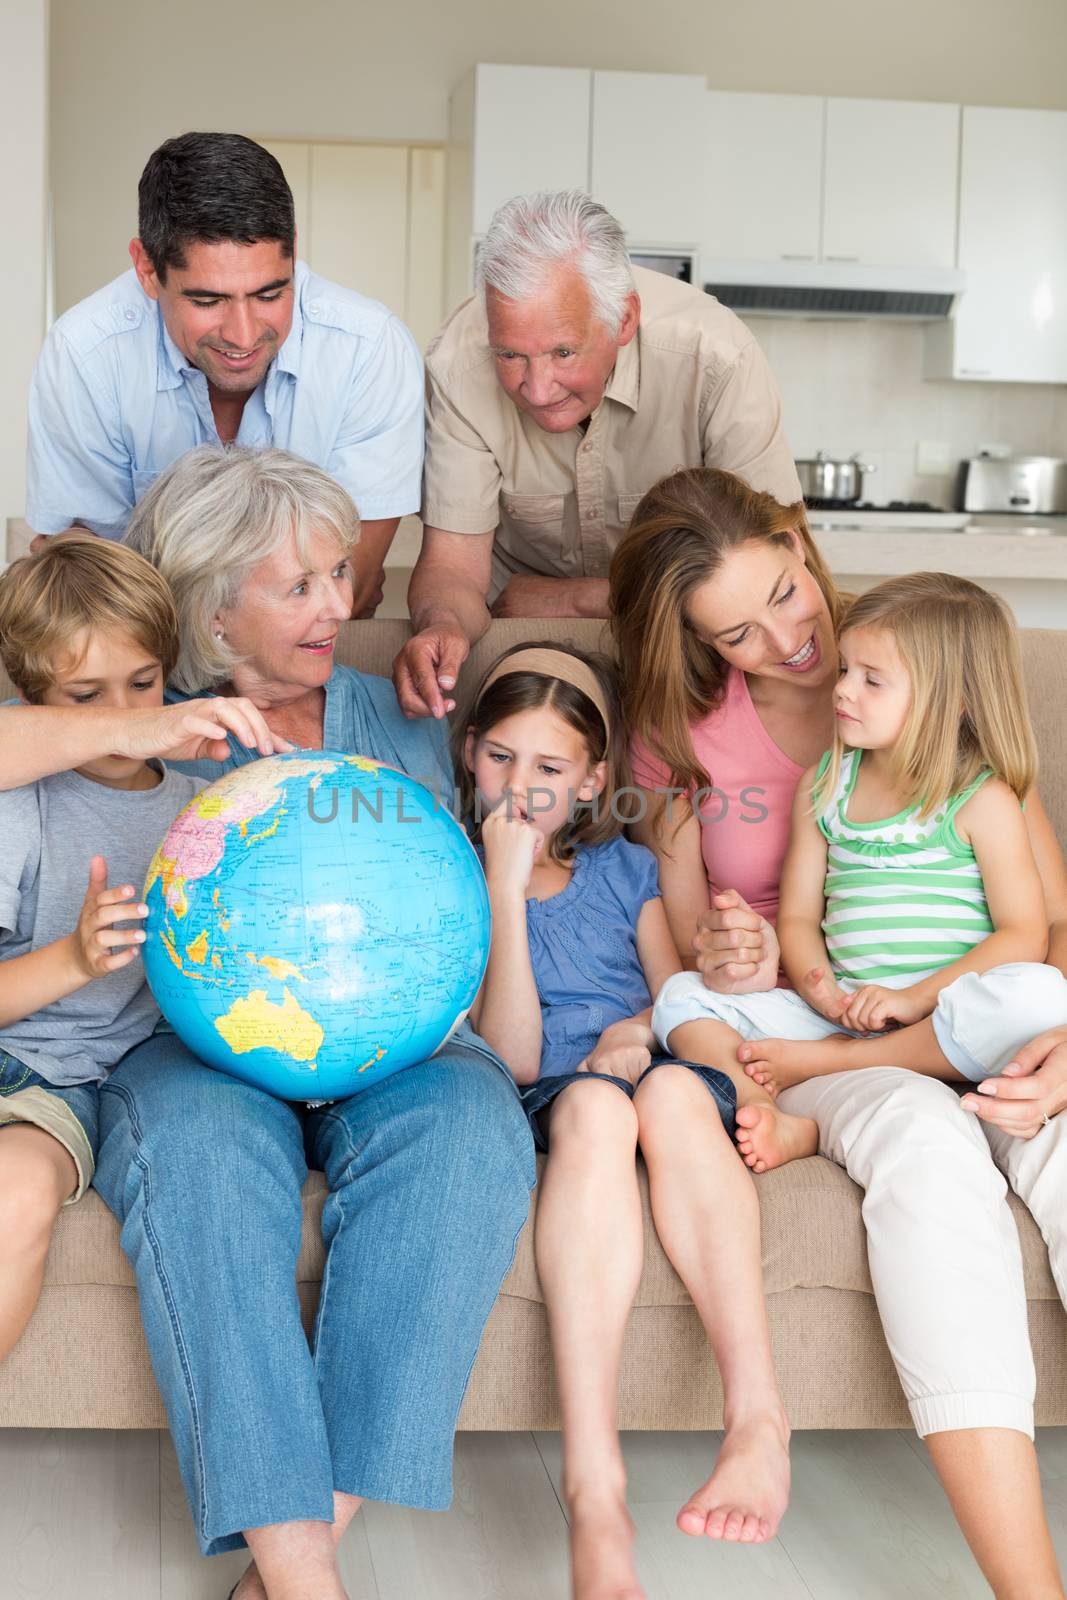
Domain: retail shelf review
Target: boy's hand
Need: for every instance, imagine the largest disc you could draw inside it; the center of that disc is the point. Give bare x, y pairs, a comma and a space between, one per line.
823, 993
98, 947
196, 730
512, 845
874, 1008
621, 1052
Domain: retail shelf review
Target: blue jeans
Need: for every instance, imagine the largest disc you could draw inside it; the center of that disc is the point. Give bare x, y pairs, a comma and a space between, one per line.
429, 1173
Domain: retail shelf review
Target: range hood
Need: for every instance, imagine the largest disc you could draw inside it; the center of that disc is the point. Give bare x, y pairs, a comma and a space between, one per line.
833, 289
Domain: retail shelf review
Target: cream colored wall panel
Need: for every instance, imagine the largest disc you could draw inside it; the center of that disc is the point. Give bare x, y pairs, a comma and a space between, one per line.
425, 307
295, 159
359, 218
648, 166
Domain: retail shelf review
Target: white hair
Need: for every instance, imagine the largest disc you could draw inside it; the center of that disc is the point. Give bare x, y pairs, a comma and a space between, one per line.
211, 519
533, 234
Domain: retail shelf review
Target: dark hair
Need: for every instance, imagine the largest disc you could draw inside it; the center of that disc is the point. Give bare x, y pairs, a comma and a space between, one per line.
520, 691
211, 187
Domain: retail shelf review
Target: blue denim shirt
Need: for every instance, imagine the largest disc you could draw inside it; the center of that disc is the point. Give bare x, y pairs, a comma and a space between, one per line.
113, 402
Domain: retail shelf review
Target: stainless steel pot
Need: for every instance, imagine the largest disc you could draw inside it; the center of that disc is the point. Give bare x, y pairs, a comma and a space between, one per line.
821, 479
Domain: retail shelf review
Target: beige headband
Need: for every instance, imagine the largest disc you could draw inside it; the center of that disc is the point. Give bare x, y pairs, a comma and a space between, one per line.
554, 664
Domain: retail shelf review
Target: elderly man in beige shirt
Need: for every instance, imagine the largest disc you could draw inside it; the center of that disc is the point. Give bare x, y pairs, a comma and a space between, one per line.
568, 386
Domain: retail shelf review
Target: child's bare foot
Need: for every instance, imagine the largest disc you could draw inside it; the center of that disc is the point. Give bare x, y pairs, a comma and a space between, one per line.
778, 1064
602, 1549
745, 1498
251, 1586
767, 1137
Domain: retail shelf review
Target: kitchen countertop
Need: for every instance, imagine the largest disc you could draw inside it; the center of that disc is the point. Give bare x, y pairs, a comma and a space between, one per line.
1035, 550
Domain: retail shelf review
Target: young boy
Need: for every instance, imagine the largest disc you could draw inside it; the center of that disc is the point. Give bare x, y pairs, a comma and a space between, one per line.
84, 622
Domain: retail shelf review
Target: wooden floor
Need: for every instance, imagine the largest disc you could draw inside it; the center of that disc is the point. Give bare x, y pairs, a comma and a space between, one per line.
102, 1516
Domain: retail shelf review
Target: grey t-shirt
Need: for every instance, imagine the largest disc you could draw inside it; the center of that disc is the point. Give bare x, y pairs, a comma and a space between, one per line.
49, 833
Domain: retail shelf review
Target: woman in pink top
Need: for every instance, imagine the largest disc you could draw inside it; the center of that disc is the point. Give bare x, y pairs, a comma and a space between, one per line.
725, 618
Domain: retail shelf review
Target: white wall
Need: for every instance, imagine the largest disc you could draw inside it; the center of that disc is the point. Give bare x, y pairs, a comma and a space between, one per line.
23, 162
849, 386
126, 74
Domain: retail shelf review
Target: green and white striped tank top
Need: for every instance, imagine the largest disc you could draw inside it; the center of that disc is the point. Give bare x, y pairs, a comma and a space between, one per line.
904, 898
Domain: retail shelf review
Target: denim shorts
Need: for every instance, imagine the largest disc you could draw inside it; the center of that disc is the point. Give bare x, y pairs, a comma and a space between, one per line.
69, 1112
538, 1096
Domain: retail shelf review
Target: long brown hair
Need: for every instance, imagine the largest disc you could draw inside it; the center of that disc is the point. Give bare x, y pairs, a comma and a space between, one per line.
522, 690
679, 537
968, 698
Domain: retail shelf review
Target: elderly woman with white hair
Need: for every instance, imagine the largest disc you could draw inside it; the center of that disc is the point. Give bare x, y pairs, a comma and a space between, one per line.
569, 385
429, 1171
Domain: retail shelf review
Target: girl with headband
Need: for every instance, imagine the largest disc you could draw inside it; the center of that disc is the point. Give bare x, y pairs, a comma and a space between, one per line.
580, 945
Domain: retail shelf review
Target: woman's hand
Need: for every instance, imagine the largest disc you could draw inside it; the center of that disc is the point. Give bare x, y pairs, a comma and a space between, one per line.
1031, 1088
196, 730
512, 845
874, 1008
736, 948
623, 1051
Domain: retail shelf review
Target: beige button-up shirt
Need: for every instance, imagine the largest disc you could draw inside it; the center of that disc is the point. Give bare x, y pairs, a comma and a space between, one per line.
692, 389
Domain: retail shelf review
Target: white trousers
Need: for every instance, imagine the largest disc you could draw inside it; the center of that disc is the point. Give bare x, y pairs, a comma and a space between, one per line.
942, 1245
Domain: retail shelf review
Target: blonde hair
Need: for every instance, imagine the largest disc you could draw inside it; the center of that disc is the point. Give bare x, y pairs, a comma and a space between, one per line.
968, 709
680, 535
208, 522
78, 582
523, 690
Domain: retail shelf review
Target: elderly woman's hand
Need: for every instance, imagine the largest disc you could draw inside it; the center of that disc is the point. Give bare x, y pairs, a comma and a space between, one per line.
1031, 1088
736, 948
196, 730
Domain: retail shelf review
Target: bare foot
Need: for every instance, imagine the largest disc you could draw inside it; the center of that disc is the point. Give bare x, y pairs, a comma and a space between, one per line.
745, 1498
251, 1585
778, 1064
767, 1137
602, 1544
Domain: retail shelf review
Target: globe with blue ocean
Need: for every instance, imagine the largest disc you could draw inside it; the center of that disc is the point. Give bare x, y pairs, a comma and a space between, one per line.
316, 921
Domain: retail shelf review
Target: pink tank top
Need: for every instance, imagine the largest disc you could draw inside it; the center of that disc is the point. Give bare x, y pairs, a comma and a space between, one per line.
745, 814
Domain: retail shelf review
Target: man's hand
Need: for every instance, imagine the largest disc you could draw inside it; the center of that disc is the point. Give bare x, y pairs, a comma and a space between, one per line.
736, 948
530, 596
365, 602
196, 730
425, 671
1031, 1088
623, 1051
97, 945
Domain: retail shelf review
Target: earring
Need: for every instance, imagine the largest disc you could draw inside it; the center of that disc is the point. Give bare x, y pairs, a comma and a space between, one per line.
219, 635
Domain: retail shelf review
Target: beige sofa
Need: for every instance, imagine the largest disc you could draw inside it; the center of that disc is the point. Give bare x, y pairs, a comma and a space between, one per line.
83, 1363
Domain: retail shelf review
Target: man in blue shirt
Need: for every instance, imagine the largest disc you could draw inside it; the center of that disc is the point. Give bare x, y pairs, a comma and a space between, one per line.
218, 335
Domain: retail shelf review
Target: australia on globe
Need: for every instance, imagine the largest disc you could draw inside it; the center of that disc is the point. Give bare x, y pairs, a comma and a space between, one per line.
316, 921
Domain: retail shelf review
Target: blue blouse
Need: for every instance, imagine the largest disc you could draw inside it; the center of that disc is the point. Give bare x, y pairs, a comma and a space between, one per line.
583, 950
362, 718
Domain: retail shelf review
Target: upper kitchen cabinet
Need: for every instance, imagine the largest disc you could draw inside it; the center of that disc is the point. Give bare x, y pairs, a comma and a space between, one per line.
761, 188
891, 171
1011, 323
511, 130
648, 153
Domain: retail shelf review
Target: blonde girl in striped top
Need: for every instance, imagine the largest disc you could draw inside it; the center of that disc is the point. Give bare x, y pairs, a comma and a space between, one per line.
912, 920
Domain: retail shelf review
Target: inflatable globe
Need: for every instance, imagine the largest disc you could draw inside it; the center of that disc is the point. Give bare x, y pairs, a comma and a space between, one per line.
315, 922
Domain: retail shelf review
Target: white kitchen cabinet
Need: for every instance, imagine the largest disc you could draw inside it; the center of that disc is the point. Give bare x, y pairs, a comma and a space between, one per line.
648, 153
761, 186
891, 172
531, 131
1011, 323
372, 217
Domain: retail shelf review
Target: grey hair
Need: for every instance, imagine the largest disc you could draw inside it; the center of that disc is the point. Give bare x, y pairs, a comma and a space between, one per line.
208, 522
534, 233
